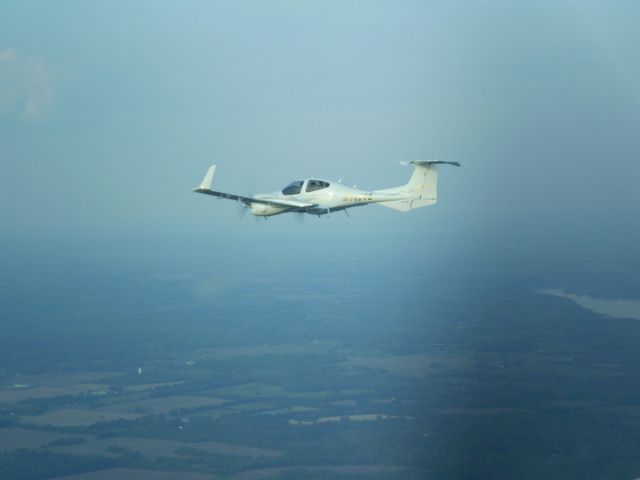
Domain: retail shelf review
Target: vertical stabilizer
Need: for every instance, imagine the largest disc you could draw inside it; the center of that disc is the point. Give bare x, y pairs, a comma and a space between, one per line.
422, 188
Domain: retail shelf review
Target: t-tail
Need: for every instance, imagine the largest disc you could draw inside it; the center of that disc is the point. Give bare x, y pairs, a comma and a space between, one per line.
422, 188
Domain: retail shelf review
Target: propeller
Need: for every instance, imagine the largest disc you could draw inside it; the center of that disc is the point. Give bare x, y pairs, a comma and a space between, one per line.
249, 186
241, 209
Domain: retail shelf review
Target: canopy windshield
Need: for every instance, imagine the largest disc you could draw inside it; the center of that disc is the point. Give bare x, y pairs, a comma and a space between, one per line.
293, 188
313, 185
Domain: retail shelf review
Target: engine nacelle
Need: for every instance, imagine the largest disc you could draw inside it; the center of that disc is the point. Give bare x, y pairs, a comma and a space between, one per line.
262, 210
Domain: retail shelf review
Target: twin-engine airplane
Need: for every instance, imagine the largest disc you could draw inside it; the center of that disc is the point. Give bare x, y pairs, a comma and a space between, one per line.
319, 197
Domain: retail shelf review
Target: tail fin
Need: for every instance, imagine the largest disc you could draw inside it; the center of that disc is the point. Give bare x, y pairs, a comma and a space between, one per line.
208, 179
422, 188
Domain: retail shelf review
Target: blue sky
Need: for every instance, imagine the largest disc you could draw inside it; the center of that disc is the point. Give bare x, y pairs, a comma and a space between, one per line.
110, 112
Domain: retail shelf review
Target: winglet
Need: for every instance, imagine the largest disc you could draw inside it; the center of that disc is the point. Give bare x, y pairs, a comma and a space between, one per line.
208, 179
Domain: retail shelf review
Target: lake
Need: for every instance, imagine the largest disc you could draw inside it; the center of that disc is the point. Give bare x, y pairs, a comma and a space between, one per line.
619, 308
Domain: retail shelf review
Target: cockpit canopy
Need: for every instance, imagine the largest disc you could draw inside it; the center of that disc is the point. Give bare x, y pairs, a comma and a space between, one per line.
313, 185
294, 188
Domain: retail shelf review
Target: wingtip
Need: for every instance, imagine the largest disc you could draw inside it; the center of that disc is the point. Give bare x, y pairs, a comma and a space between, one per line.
208, 178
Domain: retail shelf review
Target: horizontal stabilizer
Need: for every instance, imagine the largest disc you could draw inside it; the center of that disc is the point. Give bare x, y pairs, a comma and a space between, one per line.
430, 162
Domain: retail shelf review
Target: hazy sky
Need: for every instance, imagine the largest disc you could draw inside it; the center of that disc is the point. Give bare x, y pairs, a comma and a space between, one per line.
110, 113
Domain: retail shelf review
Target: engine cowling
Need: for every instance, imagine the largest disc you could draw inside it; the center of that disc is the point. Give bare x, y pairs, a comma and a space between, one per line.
263, 210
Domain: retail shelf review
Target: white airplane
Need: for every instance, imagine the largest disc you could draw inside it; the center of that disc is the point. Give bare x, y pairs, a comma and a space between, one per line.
319, 197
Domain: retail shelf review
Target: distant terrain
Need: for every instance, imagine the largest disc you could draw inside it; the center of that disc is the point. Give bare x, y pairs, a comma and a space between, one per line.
121, 373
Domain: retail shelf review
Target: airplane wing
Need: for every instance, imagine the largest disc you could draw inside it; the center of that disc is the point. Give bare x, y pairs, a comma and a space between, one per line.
205, 187
250, 200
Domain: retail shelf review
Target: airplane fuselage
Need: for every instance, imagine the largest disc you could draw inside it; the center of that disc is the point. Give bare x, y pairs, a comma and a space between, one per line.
335, 196
320, 197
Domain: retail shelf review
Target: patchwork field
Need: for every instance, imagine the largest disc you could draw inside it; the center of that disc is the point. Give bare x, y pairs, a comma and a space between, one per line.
154, 448
237, 405
299, 472
409, 365
162, 404
74, 417
12, 439
24, 387
130, 474
313, 347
